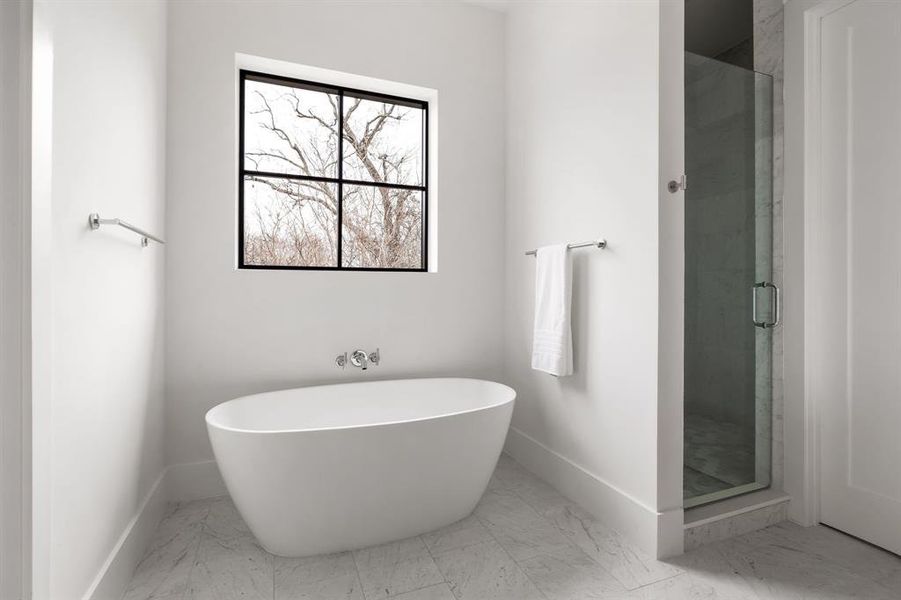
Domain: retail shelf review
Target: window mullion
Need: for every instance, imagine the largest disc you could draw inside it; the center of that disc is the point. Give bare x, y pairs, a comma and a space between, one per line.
340, 178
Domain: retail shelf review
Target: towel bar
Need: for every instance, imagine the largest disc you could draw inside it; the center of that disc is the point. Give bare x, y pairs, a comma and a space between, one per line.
95, 222
596, 243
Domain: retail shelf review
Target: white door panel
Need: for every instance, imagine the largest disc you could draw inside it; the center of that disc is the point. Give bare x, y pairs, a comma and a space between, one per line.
858, 383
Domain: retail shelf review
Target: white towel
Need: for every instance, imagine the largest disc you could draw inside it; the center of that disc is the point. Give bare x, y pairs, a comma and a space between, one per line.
552, 346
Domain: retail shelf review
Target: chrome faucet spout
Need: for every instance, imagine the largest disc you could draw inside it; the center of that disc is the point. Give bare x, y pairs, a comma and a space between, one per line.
359, 358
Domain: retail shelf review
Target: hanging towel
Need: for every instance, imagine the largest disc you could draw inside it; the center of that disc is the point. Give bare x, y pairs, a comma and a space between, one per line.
552, 346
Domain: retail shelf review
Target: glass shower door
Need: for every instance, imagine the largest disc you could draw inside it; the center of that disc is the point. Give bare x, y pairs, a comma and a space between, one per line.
729, 297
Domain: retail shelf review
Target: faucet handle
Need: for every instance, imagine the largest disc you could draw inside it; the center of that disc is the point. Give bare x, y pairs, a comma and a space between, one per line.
374, 357
341, 360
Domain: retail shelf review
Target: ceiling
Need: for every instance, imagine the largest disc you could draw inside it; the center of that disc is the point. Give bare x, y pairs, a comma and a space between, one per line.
711, 26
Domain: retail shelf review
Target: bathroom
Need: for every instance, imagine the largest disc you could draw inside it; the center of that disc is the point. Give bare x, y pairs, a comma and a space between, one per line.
244, 356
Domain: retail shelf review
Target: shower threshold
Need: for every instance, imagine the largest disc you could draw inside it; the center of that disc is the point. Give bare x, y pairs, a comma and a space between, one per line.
723, 494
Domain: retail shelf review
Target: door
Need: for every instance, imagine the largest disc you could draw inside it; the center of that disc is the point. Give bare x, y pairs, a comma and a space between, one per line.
856, 241
729, 294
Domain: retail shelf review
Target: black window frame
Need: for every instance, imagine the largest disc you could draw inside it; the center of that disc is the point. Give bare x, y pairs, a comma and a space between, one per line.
243, 76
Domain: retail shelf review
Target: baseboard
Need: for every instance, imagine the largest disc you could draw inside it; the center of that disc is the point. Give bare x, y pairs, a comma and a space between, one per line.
119, 567
177, 483
670, 535
194, 481
639, 523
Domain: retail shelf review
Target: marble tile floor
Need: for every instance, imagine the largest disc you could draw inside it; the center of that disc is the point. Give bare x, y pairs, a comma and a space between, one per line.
524, 541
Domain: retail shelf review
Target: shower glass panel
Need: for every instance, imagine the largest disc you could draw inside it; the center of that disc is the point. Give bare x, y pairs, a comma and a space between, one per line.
728, 258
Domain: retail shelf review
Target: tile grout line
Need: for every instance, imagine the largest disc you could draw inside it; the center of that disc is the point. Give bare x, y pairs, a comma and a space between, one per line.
357, 575
611, 533
353, 557
435, 562
273, 560
650, 583
419, 537
419, 589
510, 556
572, 542
553, 525
196, 544
425, 587
531, 475
199, 536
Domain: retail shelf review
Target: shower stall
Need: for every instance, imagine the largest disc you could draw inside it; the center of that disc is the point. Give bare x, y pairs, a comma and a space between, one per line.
731, 304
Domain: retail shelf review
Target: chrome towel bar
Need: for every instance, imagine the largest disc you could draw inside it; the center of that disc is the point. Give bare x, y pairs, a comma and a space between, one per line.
95, 222
595, 243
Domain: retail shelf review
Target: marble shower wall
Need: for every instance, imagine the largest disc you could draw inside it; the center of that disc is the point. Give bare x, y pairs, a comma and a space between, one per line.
720, 243
769, 52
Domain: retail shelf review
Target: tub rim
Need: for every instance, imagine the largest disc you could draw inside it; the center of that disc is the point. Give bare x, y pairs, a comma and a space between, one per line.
506, 390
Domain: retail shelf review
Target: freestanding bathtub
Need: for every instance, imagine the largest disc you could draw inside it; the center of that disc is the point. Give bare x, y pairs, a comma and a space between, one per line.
337, 467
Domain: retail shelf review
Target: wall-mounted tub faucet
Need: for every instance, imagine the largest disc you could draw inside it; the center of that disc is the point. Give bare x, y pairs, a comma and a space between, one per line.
358, 358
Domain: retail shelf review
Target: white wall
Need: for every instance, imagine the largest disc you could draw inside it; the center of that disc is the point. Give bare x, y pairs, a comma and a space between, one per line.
582, 163
233, 332
106, 370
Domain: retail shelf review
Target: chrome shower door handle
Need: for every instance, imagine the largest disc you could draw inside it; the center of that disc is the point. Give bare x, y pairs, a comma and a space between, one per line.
776, 304
775, 321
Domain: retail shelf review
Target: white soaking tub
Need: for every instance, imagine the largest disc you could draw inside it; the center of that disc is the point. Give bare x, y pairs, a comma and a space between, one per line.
338, 467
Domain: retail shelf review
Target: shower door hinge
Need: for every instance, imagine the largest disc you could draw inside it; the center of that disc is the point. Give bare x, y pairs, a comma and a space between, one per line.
674, 186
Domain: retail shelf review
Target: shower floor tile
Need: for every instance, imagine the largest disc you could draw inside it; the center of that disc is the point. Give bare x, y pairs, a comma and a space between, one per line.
695, 483
525, 541
718, 450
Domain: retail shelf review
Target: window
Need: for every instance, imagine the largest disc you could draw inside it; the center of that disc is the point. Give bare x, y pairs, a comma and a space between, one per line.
330, 178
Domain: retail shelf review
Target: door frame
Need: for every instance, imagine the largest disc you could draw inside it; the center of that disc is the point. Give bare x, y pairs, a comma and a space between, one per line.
15, 302
806, 273
671, 286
